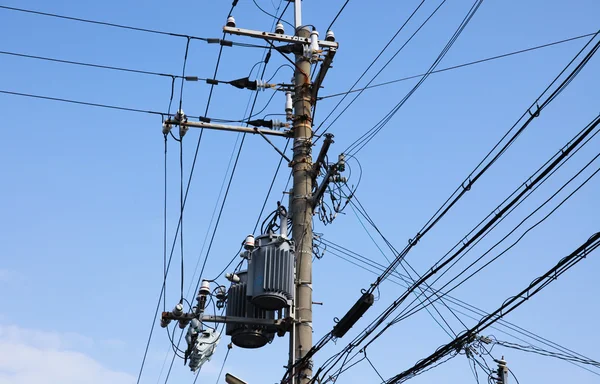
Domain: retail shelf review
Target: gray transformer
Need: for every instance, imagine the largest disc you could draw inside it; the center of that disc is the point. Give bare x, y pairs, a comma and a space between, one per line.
238, 305
271, 273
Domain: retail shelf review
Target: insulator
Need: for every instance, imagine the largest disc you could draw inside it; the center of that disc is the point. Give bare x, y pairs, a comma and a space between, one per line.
329, 36
341, 162
166, 128
279, 29
231, 22
249, 242
232, 277
288, 105
205, 287
278, 124
178, 310
314, 44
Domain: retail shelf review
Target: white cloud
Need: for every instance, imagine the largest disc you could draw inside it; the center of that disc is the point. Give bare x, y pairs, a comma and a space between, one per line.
32, 356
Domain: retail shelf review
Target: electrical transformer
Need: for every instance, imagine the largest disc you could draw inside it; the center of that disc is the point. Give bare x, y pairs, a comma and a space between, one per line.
238, 305
271, 272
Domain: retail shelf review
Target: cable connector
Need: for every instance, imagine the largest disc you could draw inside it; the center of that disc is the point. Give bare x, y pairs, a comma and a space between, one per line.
268, 123
251, 85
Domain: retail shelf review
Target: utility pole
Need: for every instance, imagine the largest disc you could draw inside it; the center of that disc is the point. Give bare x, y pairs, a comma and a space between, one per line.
304, 197
302, 208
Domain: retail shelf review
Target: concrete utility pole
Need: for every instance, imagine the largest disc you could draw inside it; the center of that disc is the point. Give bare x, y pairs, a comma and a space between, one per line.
302, 210
308, 49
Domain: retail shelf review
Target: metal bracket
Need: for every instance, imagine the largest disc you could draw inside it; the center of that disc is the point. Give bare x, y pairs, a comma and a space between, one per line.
277, 37
222, 127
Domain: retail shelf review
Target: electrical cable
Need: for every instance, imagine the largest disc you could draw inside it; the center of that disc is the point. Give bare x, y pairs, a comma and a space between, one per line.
277, 70
377, 58
528, 188
222, 42
410, 278
368, 136
92, 65
442, 263
338, 15
224, 199
180, 218
82, 103
333, 248
494, 155
223, 365
508, 306
460, 65
398, 318
273, 16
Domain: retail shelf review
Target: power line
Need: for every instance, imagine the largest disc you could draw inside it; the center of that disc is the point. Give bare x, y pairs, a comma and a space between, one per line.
460, 65
266, 59
498, 213
208, 40
273, 16
122, 26
495, 153
179, 223
122, 69
381, 52
368, 136
83, 103
338, 14
333, 248
538, 177
508, 306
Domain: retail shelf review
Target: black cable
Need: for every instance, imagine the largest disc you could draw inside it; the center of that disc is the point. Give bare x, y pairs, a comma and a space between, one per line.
530, 190
262, 209
219, 215
480, 169
181, 206
181, 197
185, 57
442, 263
122, 69
377, 58
508, 306
477, 311
273, 16
277, 70
418, 296
222, 365
513, 375
81, 102
338, 15
100, 23
165, 229
180, 218
372, 366
368, 136
459, 65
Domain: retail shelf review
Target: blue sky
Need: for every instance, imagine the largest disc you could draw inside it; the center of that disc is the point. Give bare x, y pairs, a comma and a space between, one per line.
82, 196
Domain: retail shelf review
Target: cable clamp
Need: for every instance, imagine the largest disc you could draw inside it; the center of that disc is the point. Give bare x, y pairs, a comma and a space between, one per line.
537, 111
